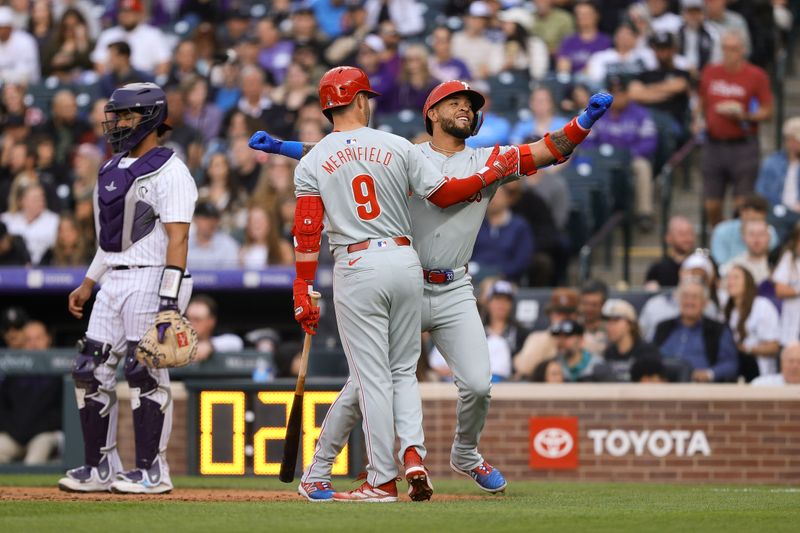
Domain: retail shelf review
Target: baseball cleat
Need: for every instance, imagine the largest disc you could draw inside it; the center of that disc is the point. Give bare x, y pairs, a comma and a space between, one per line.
87, 479
316, 491
420, 487
141, 481
366, 493
485, 476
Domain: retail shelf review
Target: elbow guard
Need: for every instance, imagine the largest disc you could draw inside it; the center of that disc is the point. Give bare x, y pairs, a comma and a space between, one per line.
308, 225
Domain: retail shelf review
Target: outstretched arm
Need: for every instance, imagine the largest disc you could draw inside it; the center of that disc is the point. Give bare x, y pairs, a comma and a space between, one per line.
263, 141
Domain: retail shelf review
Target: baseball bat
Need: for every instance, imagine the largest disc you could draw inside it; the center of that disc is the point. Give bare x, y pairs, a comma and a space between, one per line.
294, 426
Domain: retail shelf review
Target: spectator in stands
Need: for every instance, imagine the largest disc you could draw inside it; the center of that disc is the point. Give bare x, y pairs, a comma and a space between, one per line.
779, 177
523, 52
244, 163
552, 24
263, 245
33, 222
12, 249
577, 363
541, 345
755, 234
498, 316
662, 20
41, 25
210, 248
342, 50
406, 15
626, 58
628, 126
724, 20
665, 306
202, 313
495, 129
371, 59
471, 45
625, 343
71, 44
787, 287
150, 49
735, 97
755, 324
504, 245
544, 118
65, 126
576, 49
182, 136
704, 343
726, 239
295, 91
681, 241
413, 84
199, 113
275, 53
261, 112
118, 71
790, 369
19, 51
220, 189
548, 371
184, 65
236, 23
30, 407
303, 29
70, 248
593, 296
666, 88
698, 41
85, 165
442, 64
12, 328
648, 369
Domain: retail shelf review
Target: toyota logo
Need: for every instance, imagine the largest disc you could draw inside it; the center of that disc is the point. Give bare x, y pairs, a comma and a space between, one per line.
553, 443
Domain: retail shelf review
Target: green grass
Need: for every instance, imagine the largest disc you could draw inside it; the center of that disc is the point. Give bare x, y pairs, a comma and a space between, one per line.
528, 506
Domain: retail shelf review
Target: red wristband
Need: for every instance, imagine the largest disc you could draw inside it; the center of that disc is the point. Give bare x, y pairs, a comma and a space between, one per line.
527, 164
554, 149
574, 132
306, 270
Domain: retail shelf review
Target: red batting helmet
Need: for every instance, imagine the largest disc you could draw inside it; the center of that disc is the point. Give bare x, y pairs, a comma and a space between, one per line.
340, 85
448, 88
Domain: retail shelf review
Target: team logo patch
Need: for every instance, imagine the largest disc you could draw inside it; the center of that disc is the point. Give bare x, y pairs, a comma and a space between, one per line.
182, 338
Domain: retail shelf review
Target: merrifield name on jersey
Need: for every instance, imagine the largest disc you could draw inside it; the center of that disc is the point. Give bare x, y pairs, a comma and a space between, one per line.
356, 153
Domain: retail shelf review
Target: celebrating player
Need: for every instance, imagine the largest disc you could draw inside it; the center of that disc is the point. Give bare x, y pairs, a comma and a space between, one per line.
361, 179
451, 114
144, 202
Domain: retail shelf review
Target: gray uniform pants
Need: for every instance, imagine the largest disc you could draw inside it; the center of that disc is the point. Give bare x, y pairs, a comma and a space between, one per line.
450, 314
376, 294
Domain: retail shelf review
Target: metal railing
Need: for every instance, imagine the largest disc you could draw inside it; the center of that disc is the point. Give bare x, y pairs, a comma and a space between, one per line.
664, 182
604, 234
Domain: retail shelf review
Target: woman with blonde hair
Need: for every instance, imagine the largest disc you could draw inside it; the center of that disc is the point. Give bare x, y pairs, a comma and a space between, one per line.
70, 249
263, 245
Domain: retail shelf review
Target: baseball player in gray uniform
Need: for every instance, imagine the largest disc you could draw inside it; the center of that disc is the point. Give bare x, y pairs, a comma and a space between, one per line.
360, 179
144, 202
444, 239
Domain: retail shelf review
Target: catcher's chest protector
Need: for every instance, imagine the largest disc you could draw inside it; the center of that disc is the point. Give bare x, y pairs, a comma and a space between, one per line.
120, 216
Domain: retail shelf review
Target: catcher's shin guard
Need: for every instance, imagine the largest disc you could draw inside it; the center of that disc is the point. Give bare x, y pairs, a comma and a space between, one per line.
151, 403
95, 392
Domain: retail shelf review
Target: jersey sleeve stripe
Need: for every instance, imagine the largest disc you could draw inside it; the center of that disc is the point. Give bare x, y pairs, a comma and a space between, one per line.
438, 186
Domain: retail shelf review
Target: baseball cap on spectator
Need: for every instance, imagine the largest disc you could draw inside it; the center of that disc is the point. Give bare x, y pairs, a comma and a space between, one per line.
374, 43
501, 288
206, 209
698, 260
6, 17
691, 4
563, 300
519, 15
662, 39
791, 128
13, 318
648, 367
566, 328
131, 5
479, 9
616, 308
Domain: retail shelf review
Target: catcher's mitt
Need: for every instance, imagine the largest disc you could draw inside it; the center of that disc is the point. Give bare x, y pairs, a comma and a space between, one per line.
171, 342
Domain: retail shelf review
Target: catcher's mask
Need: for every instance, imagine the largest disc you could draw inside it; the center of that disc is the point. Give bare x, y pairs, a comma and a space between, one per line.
146, 100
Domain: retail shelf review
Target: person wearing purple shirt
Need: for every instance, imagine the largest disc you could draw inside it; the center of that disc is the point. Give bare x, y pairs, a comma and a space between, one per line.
628, 126
575, 50
382, 74
275, 54
443, 65
504, 245
413, 85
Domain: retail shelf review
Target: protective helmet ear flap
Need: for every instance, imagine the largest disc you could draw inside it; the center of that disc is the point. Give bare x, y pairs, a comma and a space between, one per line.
476, 125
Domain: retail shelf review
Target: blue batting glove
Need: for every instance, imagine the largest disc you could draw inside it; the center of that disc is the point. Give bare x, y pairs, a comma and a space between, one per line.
261, 140
598, 105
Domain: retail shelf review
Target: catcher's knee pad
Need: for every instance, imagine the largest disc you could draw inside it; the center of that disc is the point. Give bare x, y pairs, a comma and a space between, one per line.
91, 354
138, 375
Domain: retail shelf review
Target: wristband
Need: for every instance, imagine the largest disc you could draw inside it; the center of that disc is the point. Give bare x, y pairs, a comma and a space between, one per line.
575, 132
291, 149
171, 278
306, 270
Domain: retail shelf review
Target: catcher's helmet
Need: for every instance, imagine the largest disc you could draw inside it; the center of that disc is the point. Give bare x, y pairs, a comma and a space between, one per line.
146, 99
448, 88
340, 85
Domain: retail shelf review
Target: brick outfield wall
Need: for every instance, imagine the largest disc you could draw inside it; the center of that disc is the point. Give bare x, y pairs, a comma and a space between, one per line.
753, 434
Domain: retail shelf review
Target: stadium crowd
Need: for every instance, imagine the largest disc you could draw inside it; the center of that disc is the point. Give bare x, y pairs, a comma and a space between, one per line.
679, 70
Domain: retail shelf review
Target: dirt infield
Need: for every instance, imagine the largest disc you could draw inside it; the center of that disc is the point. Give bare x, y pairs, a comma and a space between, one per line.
178, 495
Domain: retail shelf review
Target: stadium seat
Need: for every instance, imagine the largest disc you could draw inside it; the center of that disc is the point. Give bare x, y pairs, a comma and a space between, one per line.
404, 123
509, 91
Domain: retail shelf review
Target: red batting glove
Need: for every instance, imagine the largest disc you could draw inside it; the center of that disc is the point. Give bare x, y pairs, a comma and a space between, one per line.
500, 165
305, 312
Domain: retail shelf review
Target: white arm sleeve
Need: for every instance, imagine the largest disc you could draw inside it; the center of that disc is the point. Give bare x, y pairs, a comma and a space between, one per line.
98, 266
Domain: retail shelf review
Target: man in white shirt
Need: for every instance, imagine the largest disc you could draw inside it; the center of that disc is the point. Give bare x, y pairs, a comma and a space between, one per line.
790, 369
724, 20
471, 45
151, 51
19, 53
210, 248
37, 226
626, 58
202, 313
755, 234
